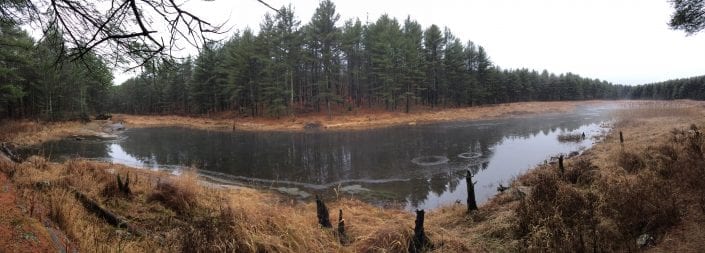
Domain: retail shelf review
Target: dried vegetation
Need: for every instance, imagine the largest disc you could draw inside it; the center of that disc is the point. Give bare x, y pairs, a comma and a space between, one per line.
651, 186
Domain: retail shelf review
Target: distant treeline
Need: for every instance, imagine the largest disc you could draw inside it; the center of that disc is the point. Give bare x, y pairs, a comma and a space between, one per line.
686, 88
36, 81
391, 64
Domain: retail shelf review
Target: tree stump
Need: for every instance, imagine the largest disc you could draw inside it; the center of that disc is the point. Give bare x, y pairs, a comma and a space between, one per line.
472, 204
322, 213
341, 228
420, 242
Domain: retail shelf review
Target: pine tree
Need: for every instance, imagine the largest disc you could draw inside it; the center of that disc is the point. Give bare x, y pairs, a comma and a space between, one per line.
454, 70
413, 61
433, 45
353, 51
205, 88
384, 46
325, 41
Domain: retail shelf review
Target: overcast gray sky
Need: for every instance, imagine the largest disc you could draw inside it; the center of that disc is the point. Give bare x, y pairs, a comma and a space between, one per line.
621, 41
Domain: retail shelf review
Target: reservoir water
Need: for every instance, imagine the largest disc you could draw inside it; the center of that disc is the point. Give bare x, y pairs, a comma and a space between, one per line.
420, 166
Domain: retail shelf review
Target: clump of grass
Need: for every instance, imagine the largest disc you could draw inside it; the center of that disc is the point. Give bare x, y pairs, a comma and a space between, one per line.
393, 237
212, 233
555, 216
629, 161
263, 223
581, 171
180, 194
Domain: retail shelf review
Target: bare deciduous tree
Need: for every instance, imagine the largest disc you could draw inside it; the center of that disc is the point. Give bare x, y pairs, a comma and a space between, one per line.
128, 32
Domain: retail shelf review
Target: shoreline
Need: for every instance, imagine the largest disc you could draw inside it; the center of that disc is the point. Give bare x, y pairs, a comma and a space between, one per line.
367, 120
26, 133
362, 120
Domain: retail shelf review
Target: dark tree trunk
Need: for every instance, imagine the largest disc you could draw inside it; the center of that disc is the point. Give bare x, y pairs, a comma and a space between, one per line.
420, 242
341, 228
472, 204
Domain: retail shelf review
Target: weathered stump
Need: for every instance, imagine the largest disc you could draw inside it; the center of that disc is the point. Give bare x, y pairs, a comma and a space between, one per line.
341, 228
420, 242
124, 186
560, 165
621, 138
322, 213
472, 204
501, 188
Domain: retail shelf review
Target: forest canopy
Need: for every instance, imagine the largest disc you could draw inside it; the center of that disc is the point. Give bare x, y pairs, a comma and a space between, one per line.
328, 64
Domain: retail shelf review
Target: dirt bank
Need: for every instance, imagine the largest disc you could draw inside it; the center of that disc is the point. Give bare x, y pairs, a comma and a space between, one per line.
21, 228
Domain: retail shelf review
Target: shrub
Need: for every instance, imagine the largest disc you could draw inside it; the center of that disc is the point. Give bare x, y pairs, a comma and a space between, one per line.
180, 200
581, 172
554, 217
629, 161
639, 204
211, 234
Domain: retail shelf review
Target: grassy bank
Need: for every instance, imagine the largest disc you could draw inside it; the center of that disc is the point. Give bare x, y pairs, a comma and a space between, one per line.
651, 186
30, 132
357, 119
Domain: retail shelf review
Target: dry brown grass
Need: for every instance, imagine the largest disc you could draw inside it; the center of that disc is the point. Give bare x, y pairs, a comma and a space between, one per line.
603, 201
652, 184
180, 213
179, 194
26, 132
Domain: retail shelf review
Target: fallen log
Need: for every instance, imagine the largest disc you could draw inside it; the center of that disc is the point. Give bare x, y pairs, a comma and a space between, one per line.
5, 148
105, 214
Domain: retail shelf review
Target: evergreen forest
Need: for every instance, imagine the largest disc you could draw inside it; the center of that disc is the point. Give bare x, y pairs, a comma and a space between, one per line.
288, 66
